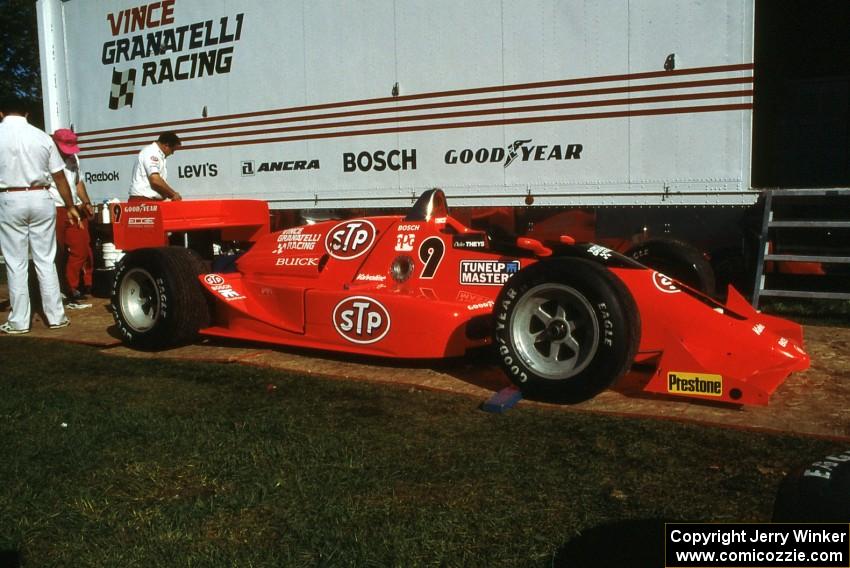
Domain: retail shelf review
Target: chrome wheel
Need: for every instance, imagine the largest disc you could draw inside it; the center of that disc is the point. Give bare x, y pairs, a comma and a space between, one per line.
555, 331
139, 299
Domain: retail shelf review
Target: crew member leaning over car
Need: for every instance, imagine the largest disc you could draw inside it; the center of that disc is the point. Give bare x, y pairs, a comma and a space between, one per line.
148, 182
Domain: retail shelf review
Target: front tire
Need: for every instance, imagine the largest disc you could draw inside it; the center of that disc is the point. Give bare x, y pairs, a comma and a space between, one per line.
565, 329
156, 299
678, 260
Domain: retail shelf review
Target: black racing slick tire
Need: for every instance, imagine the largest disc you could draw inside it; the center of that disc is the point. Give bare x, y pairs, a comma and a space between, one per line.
157, 301
676, 259
818, 492
565, 329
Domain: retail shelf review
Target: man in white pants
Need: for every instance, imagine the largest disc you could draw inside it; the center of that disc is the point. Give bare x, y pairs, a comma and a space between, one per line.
28, 160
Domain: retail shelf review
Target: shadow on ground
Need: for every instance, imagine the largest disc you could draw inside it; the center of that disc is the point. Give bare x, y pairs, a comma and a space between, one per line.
637, 543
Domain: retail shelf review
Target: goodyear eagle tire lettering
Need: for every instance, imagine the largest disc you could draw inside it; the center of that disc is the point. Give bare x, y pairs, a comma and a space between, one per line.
156, 298
817, 492
565, 329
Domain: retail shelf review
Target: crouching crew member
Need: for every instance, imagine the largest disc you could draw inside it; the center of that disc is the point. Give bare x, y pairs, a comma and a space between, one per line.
149, 180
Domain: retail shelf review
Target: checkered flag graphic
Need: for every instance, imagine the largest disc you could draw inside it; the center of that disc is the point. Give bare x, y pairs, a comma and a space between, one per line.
123, 83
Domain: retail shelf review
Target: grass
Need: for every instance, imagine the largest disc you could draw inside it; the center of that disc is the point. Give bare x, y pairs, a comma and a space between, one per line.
809, 311
115, 462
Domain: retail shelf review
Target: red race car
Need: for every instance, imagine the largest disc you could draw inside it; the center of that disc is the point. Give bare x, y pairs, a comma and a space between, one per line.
565, 321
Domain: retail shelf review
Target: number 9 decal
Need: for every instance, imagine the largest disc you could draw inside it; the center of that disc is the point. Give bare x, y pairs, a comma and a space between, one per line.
431, 253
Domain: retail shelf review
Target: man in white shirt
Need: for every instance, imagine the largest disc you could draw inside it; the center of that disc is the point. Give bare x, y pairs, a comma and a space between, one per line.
28, 161
148, 182
74, 257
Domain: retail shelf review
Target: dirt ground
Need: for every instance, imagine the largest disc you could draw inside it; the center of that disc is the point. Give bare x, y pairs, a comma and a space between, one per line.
815, 402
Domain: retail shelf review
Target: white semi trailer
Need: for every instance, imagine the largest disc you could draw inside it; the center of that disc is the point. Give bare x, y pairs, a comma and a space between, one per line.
622, 120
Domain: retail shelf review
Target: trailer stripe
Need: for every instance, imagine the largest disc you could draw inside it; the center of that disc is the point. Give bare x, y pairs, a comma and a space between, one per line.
456, 93
452, 125
468, 102
451, 115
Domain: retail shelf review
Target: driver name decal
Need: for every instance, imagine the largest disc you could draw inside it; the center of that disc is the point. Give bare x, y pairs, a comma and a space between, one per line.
360, 319
350, 239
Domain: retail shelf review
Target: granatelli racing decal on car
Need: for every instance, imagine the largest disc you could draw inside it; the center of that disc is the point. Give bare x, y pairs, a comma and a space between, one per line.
487, 272
360, 319
218, 285
665, 283
165, 47
296, 239
350, 239
522, 150
469, 242
702, 384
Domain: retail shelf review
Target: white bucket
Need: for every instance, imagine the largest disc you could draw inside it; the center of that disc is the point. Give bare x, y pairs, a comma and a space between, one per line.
110, 254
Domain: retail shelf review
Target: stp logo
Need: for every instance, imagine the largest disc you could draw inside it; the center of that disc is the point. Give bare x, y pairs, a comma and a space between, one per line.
360, 319
664, 283
350, 239
213, 279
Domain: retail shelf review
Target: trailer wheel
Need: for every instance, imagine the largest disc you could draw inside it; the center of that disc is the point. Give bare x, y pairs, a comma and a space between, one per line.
818, 492
157, 300
677, 259
565, 329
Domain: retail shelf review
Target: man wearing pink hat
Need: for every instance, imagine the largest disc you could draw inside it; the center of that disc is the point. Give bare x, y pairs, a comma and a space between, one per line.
73, 239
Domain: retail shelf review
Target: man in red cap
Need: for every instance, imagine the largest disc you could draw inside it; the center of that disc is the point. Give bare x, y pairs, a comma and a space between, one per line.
73, 240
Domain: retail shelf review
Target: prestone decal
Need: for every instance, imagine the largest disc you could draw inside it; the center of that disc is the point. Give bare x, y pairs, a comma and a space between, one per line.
702, 384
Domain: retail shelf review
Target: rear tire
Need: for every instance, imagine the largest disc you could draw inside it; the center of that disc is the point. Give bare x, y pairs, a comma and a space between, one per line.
157, 301
565, 329
678, 260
